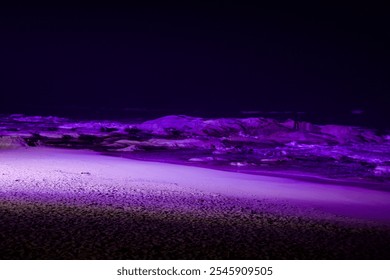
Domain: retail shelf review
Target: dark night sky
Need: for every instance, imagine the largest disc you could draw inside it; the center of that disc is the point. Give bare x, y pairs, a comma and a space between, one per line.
222, 57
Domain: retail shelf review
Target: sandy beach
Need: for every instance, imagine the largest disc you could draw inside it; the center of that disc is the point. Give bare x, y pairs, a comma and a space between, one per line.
68, 204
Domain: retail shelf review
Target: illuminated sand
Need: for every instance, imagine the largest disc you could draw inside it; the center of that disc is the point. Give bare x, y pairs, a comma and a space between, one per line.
78, 204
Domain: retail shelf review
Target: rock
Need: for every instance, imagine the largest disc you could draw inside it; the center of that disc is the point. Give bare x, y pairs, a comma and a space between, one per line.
382, 170
12, 142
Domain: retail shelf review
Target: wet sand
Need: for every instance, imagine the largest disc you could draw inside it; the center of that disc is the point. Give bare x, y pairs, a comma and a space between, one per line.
270, 171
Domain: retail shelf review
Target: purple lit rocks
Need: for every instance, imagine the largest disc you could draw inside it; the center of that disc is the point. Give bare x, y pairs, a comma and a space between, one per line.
253, 144
10, 142
382, 170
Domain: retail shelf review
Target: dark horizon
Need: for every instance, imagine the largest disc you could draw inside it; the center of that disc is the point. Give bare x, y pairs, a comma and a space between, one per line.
219, 58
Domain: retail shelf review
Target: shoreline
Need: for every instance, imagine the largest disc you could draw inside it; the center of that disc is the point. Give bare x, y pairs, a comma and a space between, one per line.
303, 176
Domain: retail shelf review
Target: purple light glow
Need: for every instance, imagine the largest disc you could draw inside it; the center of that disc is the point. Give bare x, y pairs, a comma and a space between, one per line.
191, 130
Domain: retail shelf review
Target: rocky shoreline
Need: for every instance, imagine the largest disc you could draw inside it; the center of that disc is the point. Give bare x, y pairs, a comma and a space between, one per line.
257, 144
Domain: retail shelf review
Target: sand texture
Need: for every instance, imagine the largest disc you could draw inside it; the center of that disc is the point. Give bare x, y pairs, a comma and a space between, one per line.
62, 204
